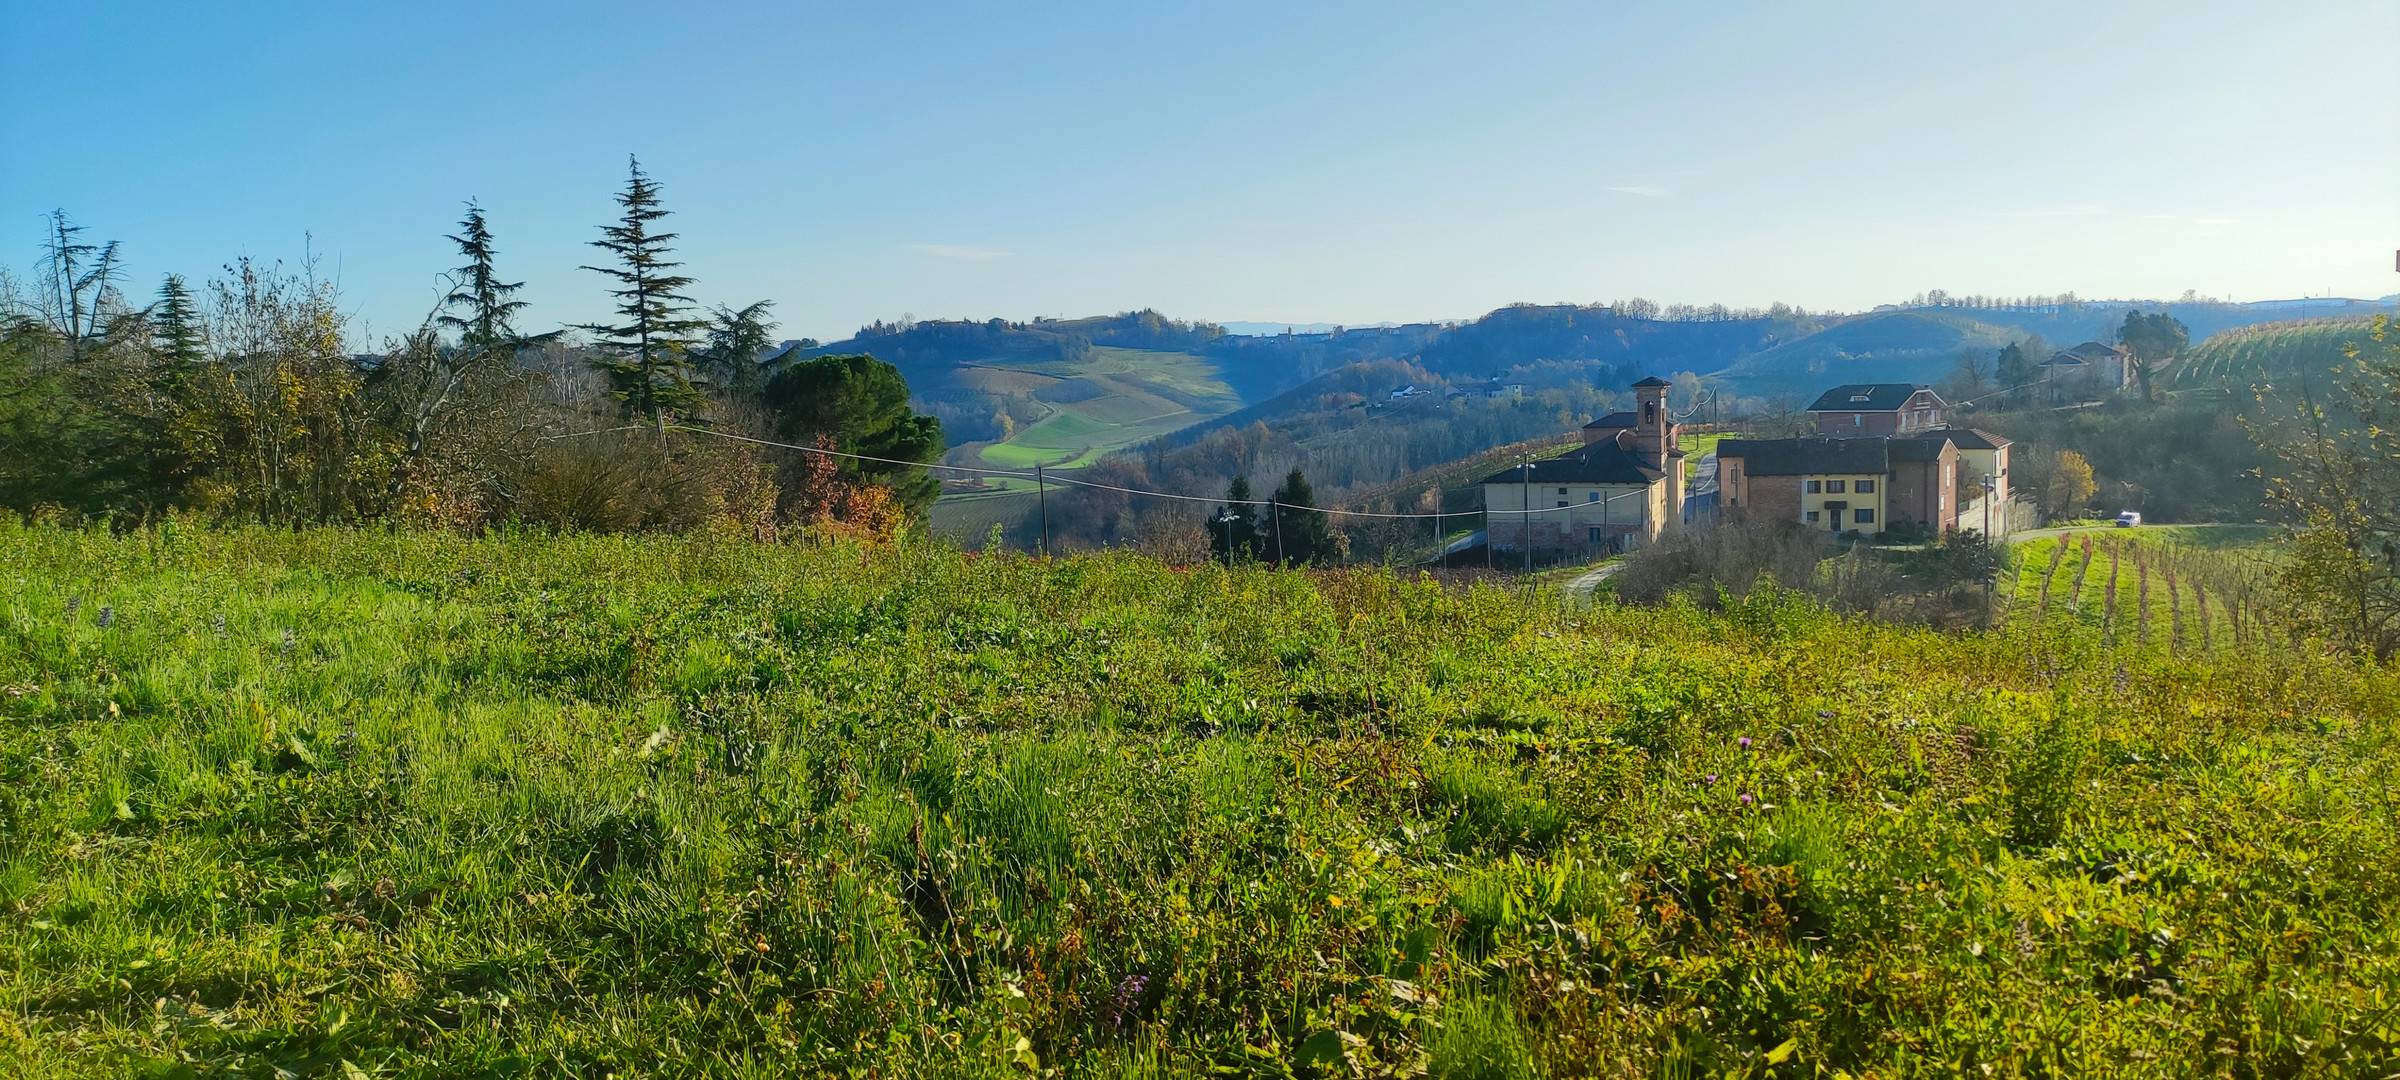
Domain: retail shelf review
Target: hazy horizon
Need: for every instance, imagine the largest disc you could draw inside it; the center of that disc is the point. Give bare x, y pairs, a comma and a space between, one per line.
1345, 164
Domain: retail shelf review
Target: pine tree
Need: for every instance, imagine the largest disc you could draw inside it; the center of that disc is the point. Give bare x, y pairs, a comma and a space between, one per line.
1233, 534
177, 336
1307, 537
736, 340
488, 303
647, 372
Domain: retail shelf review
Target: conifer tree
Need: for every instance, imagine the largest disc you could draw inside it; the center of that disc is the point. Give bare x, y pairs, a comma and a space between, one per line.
1307, 535
736, 339
647, 370
480, 306
1233, 533
177, 335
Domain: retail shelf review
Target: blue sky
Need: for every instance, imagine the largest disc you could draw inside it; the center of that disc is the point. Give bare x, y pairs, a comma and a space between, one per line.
1340, 162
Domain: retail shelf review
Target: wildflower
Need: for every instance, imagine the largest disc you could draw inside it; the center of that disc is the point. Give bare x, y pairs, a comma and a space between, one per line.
1745, 798
1127, 1001
74, 604
220, 623
288, 642
1824, 714
1744, 741
1712, 778
108, 614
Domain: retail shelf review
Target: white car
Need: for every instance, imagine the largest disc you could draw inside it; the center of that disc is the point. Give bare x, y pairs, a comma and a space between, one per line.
2128, 519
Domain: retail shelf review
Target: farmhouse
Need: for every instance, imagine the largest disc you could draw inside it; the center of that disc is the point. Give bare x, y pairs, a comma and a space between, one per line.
1862, 409
1617, 491
2091, 367
1844, 485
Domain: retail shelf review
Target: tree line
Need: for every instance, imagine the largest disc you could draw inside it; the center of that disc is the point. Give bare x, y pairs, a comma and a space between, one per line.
244, 399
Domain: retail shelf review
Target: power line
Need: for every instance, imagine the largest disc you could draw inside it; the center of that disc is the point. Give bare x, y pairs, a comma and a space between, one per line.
1046, 479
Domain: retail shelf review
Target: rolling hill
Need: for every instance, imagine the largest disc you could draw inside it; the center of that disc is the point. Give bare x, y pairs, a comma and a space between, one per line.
1918, 345
2236, 359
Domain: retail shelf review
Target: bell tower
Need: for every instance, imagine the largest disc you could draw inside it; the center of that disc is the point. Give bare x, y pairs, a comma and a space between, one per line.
1654, 443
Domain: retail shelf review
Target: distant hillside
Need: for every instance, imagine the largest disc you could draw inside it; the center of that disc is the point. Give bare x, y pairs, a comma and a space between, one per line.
2239, 358
1063, 392
1524, 336
1919, 345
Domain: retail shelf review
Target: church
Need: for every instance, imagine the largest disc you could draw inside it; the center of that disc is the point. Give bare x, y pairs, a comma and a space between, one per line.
1622, 489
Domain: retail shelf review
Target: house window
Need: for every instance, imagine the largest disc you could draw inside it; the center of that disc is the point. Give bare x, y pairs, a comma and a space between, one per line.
1811, 518
1595, 534
1562, 491
1866, 517
1857, 420
1562, 502
1866, 487
1816, 487
1833, 487
1591, 496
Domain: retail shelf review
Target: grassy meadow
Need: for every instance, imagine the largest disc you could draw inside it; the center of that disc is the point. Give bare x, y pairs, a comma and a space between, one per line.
379, 803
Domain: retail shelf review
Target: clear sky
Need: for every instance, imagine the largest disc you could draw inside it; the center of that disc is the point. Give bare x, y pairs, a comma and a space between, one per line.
1340, 162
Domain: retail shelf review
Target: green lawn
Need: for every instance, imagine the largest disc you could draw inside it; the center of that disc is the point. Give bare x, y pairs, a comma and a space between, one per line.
383, 803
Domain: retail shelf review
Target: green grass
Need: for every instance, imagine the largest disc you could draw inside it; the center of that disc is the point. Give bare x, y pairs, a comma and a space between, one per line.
382, 803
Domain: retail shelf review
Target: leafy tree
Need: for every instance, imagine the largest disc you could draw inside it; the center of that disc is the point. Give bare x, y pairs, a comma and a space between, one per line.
736, 339
860, 403
1233, 532
2340, 481
2071, 484
1307, 534
480, 306
646, 367
2152, 339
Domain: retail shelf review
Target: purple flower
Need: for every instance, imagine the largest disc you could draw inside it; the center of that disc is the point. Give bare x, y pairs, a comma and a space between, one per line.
1712, 778
1745, 798
1744, 741
1824, 714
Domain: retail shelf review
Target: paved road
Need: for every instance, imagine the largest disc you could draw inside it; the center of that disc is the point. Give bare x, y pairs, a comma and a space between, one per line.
1584, 585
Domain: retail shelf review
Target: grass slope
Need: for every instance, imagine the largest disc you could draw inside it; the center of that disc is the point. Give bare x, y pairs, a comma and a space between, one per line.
1917, 346
379, 803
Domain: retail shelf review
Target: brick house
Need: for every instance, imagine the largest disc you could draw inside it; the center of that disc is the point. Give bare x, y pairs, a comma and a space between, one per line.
1864, 409
1863, 485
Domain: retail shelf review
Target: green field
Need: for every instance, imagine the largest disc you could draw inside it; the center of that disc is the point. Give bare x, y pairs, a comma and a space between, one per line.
1111, 399
381, 803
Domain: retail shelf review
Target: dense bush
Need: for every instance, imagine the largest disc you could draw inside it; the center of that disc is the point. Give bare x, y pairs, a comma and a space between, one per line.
368, 802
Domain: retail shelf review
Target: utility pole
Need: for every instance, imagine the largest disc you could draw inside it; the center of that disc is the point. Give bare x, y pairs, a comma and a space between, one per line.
1440, 548
1041, 494
1526, 497
1276, 507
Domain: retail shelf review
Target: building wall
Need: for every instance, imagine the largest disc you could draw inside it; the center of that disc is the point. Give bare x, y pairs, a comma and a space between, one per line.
1857, 425
1774, 498
1927, 491
1625, 514
1991, 463
1852, 500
